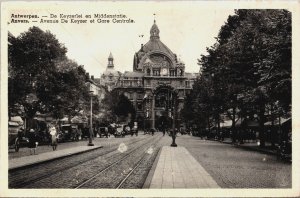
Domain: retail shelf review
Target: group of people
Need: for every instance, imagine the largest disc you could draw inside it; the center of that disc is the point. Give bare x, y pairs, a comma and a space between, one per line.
33, 140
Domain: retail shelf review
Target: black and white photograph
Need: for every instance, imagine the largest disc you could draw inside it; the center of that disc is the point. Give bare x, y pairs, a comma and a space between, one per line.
149, 99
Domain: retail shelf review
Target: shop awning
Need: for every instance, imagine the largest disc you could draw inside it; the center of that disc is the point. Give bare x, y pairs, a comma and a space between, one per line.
276, 121
79, 119
17, 119
228, 123
64, 119
12, 123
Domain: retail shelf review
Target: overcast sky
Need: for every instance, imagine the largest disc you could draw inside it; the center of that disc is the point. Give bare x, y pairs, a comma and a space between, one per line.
187, 28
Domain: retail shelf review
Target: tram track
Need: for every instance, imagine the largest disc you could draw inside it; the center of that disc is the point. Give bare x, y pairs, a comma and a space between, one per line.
91, 179
120, 185
17, 180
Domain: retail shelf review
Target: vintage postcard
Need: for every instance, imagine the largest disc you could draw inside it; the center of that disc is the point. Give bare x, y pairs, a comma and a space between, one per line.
150, 99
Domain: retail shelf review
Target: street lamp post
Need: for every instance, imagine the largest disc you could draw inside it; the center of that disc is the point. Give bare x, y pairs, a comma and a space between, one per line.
91, 122
173, 124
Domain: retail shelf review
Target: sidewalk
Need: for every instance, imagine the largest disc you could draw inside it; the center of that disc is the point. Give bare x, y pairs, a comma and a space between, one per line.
254, 146
48, 156
177, 168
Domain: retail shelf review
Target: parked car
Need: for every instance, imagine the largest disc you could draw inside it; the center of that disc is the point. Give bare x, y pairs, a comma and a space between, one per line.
103, 131
85, 132
121, 130
68, 132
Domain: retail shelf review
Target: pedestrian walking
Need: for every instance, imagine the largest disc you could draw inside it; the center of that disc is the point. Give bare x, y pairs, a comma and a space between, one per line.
53, 134
79, 134
33, 141
152, 131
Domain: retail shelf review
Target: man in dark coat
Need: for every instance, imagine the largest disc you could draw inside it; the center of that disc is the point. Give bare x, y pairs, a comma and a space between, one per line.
33, 141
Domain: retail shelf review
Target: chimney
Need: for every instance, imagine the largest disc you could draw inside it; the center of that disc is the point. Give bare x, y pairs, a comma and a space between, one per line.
92, 77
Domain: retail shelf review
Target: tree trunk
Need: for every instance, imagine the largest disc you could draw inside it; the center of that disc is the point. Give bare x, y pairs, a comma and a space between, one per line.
69, 119
242, 130
261, 125
219, 125
208, 124
272, 132
233, 126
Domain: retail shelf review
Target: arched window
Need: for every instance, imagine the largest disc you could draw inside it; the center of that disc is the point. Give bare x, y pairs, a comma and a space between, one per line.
148, 72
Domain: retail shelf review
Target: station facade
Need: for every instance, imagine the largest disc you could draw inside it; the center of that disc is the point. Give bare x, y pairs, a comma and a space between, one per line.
157, 85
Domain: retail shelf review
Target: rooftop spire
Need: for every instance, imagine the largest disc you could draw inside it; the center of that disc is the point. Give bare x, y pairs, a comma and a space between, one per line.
110, 61
154, 31
110, 56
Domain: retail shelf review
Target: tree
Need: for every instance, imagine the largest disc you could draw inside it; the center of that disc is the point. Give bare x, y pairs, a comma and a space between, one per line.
41, 77
31, 57
252, 61
198, 107
118, 107
63, 90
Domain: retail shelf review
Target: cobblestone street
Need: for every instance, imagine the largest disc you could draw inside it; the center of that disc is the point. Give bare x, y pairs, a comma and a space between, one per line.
233, 167
126, 163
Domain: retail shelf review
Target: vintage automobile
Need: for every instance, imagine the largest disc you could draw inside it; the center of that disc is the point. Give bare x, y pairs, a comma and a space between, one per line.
121, 130
16, 136
68, 132
103, 132
85, 132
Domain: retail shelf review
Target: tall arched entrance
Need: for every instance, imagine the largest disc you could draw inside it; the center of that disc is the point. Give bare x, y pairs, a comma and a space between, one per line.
163, 106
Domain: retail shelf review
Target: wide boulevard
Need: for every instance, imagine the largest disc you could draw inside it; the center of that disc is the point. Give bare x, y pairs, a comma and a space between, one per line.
127, 163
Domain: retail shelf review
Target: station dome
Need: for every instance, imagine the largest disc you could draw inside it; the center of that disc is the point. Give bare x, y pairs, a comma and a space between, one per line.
154, 45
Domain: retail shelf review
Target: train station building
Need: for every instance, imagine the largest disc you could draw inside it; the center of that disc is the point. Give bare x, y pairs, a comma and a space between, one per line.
156, 86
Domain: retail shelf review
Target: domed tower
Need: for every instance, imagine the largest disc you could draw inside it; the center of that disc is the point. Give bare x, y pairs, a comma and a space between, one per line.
110, 76
155, 58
